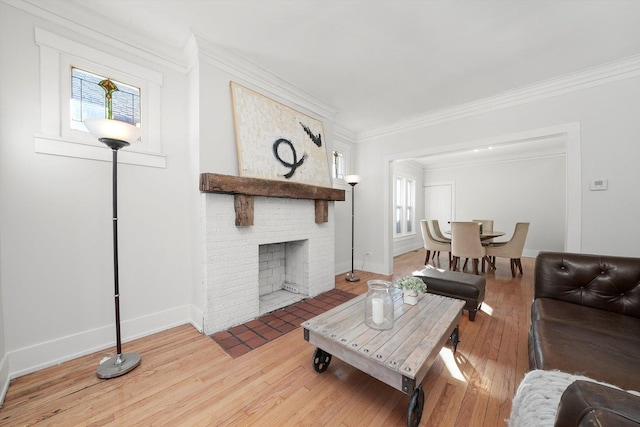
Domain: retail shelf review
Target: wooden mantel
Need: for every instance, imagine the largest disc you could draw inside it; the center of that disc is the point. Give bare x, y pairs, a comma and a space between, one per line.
244, 189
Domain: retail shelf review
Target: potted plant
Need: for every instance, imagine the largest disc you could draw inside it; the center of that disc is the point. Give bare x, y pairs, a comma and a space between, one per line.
410, 286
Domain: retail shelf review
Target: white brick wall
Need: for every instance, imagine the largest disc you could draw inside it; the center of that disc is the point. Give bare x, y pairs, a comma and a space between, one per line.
230, 266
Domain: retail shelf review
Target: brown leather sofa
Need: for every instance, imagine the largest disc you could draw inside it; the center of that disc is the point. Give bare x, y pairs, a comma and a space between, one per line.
585, 319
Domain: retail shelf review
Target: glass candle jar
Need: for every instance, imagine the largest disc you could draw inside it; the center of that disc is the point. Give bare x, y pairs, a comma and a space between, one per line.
378, 307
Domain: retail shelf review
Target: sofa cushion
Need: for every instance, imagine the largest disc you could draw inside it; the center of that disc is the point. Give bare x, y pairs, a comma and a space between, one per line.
588, 318
570, 347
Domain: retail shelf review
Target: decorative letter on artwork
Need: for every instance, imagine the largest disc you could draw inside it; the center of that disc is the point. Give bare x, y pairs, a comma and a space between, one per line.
277, 142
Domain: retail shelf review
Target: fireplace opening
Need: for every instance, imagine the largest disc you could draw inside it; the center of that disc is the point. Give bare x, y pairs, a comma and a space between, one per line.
283, 274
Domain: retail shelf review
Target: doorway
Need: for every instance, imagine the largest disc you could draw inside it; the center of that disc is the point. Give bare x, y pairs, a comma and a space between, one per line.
438, 202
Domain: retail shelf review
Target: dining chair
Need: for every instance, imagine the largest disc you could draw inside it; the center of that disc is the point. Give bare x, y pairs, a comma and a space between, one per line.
431, 244
487, 225
465, 243
511, 249
437, 233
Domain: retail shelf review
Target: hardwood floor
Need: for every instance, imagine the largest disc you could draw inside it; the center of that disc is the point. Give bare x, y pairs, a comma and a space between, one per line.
186, 379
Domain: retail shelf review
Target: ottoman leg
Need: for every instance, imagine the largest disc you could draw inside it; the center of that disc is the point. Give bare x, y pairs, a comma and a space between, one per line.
472, 314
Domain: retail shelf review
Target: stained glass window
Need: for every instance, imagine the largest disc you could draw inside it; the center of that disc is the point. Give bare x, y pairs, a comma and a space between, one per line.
88, 99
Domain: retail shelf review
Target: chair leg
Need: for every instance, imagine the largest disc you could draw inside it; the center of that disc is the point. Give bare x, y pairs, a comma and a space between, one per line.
450, 260
513, 267
519, 262
464, 267
475, 262
492, 265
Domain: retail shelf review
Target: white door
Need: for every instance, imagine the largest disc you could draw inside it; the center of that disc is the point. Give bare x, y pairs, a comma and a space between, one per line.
438, 203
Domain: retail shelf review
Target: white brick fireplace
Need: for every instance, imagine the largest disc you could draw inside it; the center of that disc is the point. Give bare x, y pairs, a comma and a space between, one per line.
232, 285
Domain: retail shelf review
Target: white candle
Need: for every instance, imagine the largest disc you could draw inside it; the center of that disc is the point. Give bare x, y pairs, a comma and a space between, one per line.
377, 310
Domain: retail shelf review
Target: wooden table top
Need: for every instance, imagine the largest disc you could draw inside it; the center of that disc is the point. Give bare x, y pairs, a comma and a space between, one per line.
485, 234
408, 349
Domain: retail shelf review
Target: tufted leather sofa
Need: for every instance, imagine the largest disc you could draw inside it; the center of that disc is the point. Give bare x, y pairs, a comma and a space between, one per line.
585, 319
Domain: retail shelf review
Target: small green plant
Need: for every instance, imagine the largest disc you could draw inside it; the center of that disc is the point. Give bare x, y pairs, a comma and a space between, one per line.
411, 283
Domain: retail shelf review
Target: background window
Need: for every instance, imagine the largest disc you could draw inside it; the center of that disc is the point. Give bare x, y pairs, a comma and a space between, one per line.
337, 170
405, 200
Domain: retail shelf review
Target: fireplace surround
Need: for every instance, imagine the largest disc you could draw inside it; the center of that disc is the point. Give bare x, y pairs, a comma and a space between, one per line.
231, 264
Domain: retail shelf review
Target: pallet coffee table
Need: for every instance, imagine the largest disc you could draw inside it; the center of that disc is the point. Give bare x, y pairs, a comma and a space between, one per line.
399, 357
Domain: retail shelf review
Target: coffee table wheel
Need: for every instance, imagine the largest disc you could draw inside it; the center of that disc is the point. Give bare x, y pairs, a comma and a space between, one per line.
416, 406
321, 360
455, 339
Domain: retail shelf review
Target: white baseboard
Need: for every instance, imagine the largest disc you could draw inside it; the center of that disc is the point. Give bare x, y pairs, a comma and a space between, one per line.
196, 318
4, 378
42, 355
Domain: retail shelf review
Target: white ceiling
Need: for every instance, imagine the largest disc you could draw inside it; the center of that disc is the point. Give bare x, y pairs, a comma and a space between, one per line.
533, 148
379, 61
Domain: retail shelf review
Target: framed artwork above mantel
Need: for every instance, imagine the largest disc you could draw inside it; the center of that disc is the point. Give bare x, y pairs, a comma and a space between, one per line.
276, 142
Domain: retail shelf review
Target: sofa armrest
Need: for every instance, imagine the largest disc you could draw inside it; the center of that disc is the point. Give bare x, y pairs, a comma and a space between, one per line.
586, 403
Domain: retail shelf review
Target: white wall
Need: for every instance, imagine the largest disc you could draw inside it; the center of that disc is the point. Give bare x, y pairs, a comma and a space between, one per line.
55, 234
608, 143
529, 190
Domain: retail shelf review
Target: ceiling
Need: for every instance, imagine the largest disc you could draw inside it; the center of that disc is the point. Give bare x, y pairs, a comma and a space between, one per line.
528, 149
380, 61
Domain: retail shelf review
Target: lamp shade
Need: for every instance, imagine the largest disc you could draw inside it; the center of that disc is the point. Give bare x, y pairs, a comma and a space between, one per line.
113, 130
352, 179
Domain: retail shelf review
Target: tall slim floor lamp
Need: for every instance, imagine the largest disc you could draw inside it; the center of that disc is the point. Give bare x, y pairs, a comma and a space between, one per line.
116, 135
352, 180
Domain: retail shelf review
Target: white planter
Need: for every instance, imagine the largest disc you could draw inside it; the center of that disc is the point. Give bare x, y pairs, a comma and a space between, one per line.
410, 297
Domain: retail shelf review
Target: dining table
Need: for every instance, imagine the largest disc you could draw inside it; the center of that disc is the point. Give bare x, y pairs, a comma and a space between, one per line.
485, 235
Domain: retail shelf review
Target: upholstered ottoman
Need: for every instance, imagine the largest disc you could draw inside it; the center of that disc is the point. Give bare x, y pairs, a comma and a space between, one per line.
454, 284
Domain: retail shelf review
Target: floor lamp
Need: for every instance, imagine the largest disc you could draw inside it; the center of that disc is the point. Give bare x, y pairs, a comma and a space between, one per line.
352, 180
115, 135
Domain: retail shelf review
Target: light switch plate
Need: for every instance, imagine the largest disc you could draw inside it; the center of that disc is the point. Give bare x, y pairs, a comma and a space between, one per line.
599, 184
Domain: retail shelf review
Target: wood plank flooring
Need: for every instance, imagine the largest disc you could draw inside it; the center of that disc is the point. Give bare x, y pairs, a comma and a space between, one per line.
186, 379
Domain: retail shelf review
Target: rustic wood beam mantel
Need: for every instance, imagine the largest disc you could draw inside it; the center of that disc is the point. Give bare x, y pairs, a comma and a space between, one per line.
244, 189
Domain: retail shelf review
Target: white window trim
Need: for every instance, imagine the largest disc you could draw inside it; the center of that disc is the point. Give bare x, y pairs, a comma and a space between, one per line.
57, 55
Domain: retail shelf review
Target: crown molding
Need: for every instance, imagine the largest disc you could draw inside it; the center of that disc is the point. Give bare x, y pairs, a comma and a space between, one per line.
69, 17
199, 48
603, 74
344, 134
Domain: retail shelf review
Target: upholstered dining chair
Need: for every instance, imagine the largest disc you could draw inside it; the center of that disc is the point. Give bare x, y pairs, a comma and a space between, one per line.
487, 225
511, 249
431, 244
437, 232
465, 243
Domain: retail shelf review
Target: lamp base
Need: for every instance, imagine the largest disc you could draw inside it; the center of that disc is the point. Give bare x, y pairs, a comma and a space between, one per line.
351, 277
119, 365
